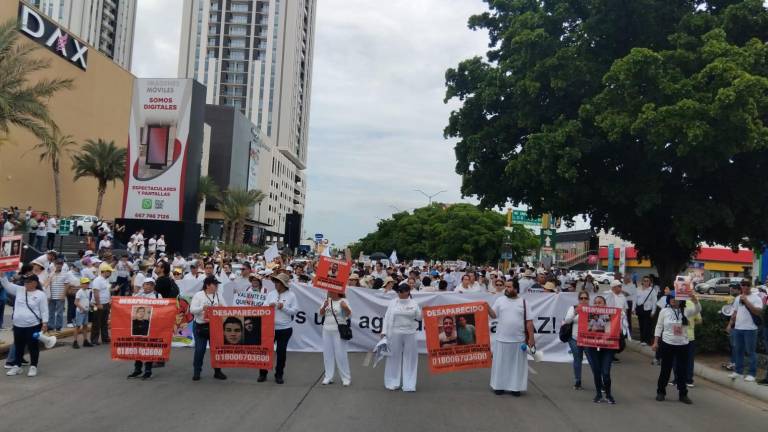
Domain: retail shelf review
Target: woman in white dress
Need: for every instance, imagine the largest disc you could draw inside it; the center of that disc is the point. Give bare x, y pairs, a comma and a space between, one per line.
335, 310
401, 322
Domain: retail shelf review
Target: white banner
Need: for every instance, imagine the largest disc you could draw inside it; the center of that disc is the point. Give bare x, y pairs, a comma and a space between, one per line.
368, 308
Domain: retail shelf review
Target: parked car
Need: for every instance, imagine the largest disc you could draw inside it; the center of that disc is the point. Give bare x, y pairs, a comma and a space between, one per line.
601, 277
82, 224
719, 285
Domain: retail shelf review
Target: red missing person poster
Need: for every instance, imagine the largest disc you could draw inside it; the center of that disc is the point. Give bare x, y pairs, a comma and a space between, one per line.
142, 328
457, 337
242, 336
332, 274
599, 327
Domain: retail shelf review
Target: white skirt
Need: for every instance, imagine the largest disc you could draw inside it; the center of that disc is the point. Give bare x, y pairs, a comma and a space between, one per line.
509, 371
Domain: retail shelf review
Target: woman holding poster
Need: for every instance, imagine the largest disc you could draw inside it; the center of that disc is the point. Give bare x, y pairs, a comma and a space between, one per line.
401, 322
201, 301
514, 334
335, 311
600, 359
671, 340
572, 317
286, 307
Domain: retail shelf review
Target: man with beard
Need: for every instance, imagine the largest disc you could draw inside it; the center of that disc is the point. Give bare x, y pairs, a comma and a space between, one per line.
509, 370
252, 334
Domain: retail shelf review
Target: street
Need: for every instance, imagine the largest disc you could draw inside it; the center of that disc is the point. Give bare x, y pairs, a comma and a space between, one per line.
84, 390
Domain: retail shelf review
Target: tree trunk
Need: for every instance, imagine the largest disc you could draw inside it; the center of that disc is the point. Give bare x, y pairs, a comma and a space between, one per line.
56, 187
240, 233
668, 269
99, 199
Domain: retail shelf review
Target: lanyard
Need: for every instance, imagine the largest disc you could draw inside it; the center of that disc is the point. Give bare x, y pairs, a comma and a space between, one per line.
677, 314
212, 300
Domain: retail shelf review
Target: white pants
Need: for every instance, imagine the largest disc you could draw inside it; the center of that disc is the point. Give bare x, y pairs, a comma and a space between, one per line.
402, 362
335, 351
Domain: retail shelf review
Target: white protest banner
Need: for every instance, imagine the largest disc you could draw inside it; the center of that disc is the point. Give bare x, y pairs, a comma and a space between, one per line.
271, 253
368, 308
249, 298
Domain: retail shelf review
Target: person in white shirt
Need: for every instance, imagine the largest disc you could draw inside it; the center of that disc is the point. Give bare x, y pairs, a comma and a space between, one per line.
335, 310
8, 227
152, 244
30, 316
56, 290
509, 370
526, 281
629, 289
83, 302
401, 322
102, 294
615, 297
201, 301
671, 339
379, 272
286, 307
572, 318
50, 231
40, 233
147, 291
467, 286
600, 360
645, 299
161, 244
747, 307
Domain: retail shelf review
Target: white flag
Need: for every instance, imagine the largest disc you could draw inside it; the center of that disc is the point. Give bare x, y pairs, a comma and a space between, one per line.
393, 257
271, 253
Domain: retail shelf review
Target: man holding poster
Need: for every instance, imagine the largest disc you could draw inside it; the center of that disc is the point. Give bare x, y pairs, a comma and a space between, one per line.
235, 342
600, 331
332, 274
448, 350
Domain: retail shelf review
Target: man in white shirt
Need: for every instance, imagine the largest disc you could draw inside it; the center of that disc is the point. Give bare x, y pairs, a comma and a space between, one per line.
466, 285
50, 231
526, 281
152, 244
509, 370
8, 227
102, 293
746, 307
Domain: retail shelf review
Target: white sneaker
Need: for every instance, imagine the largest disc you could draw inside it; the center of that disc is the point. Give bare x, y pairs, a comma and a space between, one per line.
70, 325
32, 371
16, 370
8, 366
734, 375
327, 381
643, 344
749, 378
346, 383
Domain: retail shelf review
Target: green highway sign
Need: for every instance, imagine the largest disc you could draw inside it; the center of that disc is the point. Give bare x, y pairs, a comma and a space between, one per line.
65, 227
521, 217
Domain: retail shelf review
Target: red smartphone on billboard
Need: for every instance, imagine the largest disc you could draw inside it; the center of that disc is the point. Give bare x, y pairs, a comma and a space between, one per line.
157, 146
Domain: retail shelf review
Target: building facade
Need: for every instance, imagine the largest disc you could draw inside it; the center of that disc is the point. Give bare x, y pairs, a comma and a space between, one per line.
107, 25
256, 57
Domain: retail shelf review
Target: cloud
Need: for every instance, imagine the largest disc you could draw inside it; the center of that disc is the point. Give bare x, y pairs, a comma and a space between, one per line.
155, 42
377, 116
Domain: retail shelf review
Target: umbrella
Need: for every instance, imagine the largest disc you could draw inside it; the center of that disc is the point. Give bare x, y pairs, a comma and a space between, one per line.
378, 256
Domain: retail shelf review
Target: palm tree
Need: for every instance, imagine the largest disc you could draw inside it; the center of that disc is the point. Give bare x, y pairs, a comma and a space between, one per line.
22, 103
207, 189
103, 161
236, 206
52, 147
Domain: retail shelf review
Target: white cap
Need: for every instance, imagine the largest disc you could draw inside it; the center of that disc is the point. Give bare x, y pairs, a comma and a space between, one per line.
288, 268
615, 283
149, 280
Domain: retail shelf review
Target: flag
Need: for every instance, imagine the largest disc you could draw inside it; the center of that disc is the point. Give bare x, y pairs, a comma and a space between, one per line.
393, 257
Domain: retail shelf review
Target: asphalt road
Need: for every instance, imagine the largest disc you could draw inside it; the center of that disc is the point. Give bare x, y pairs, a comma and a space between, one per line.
85, 391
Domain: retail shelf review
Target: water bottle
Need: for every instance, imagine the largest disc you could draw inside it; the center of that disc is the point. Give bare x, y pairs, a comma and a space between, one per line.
523, 347
36, 335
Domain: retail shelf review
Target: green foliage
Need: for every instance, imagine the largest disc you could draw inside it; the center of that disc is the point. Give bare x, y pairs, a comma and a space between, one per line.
103, 161
648, 117
710, 334
207, 189
24, 103
445, 231
236, 205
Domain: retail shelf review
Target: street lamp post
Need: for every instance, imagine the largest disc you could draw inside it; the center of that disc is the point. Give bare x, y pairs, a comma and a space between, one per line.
429, 197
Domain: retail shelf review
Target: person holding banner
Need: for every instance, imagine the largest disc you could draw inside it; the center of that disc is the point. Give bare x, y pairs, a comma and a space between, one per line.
671, 340
201, 301
600, 359
140, 327
514, 336
572, 317
286, 307
401, 322
335, 310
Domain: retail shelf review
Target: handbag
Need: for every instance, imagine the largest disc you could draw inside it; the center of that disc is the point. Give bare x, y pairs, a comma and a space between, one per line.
345, 331
565, 332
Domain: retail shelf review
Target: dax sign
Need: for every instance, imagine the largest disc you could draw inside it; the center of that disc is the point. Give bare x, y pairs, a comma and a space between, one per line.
47, 33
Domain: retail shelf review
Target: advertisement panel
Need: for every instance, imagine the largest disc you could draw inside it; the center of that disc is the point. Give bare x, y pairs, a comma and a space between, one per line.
142, 328
158, 140
332, 274
10, 253
599, 327
457, 337
242, 337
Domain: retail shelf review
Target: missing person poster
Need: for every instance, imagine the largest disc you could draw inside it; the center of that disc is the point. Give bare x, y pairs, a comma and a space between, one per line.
683, 288
242, 337
142, 328
457, 337
599, 327
10, 253
331, 274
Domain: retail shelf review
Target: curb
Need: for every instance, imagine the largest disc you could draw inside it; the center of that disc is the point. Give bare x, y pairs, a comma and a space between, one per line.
715, 375
65, 332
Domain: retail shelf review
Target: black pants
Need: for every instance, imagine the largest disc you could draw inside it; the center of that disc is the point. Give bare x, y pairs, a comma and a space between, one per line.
51, 240
147, 366
22, 339
71, 309
629, 314
123, 286
677, 356
281, 340
644, 320
100, 325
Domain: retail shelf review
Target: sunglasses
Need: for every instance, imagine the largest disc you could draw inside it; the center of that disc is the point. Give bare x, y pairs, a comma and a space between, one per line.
499, 284
583, 298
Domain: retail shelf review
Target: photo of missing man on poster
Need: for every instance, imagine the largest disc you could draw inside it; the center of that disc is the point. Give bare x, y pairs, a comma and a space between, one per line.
140, 320
242, 332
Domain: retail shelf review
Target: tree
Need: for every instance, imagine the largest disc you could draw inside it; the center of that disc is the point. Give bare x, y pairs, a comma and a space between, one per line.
24, 103
444, 231
646, 117
236, 205
52, 148
207, 189
103, 161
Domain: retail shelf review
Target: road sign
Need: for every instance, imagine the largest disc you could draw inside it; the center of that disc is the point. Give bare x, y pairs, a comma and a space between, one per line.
318, 237
521, 217
548, 241
65, 227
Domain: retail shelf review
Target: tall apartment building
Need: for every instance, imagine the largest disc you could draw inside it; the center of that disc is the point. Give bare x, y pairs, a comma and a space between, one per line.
256, 56
107, 25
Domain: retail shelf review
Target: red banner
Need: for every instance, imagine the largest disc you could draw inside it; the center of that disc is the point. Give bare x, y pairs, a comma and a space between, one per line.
10, 253
242, 336
599, 327
332, 274
457, 337
142, 328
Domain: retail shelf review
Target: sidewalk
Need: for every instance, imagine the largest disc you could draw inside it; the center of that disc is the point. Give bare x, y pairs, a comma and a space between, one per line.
6, 333
717, 376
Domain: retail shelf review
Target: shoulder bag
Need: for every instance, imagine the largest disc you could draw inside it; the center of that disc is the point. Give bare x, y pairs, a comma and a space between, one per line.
567, 329
345, 331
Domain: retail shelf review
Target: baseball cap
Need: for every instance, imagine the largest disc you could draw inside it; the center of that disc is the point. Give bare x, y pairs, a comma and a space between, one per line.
615, 283
149, 280
85, 280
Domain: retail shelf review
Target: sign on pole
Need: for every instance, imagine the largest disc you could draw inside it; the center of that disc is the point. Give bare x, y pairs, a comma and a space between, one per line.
65, 227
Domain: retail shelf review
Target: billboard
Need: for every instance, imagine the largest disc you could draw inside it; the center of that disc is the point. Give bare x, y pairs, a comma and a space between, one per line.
164, 142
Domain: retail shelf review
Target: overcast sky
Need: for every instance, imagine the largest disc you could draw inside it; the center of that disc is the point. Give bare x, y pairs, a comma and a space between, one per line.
377, 113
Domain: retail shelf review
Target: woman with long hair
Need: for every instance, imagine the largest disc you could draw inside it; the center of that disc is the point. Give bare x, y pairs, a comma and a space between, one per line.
401, 322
